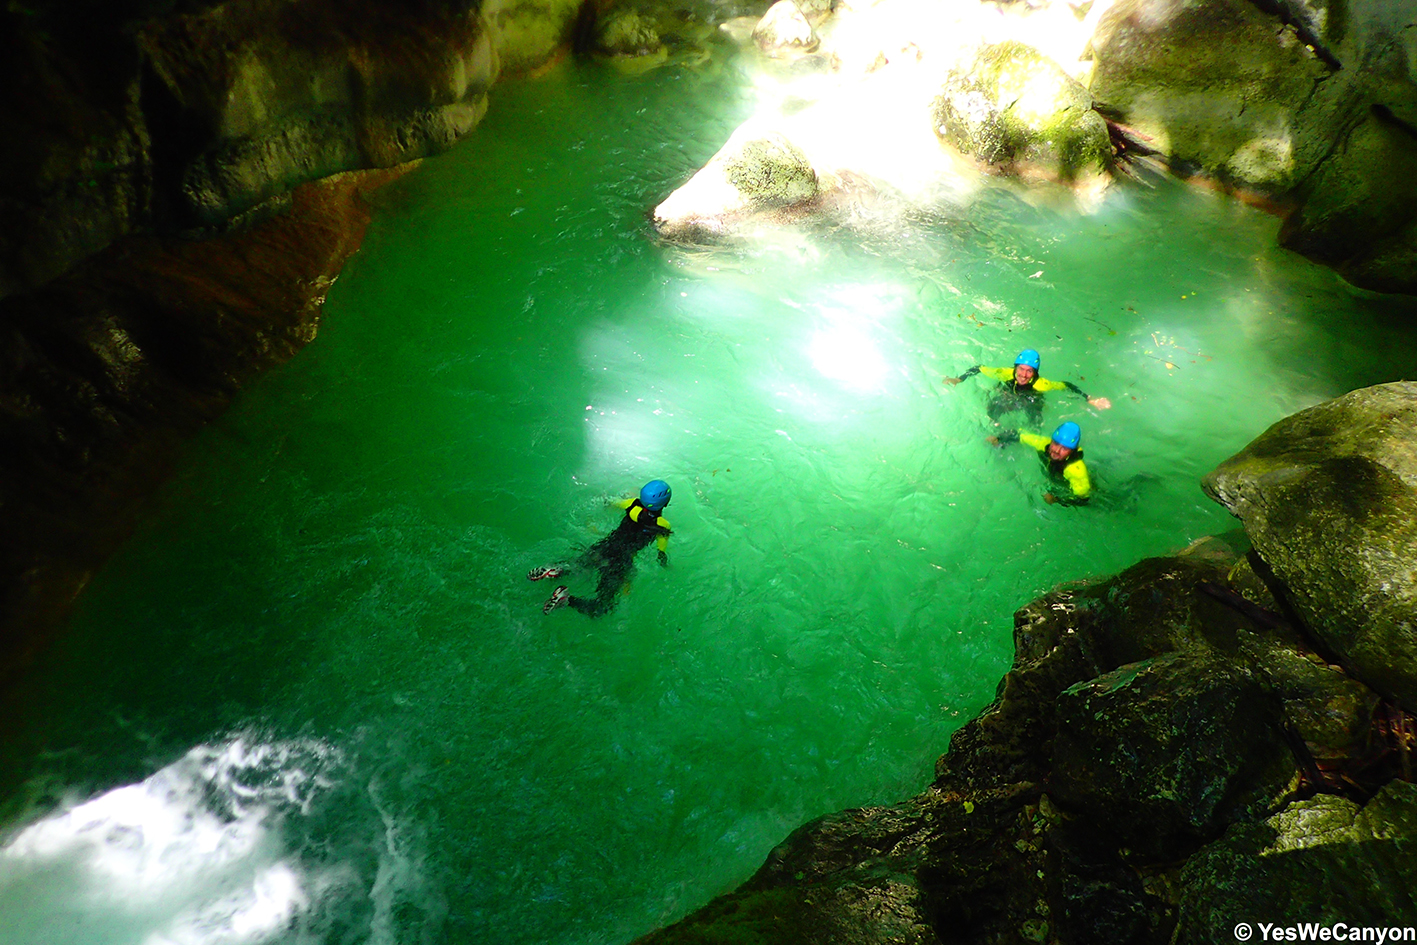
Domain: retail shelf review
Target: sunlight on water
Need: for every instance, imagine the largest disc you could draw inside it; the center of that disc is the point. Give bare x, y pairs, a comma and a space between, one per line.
341, 563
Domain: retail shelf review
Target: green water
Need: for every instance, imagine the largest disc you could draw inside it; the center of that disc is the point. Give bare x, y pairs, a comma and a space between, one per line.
315, 699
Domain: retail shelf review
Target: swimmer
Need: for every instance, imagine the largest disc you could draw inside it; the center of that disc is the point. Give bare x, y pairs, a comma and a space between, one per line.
614, 555
1020, 388
1061, 457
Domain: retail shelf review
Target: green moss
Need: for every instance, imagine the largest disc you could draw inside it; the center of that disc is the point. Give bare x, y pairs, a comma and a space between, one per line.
531, 30
1016, 106
771, 172
628, 34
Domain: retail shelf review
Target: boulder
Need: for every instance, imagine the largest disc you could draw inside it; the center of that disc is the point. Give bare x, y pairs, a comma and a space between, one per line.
1017, 111
1324, 860
1357, 212
1329, 710
1328, 496
1079, 633
816, 11
1311, 105
1212, 84
626, 33
752, 176
1165, 753
784, 31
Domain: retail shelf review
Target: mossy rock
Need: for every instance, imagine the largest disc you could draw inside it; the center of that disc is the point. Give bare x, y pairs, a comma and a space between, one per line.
1328, 496
1324, 860
771, 172
1164, 754
750, 180
627, 33
1017, 110
1215, 85
1330, 711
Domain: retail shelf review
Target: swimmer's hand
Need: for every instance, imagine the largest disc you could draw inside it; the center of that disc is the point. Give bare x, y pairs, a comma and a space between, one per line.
954, 380
992, 441
1101, 403
1050, 498
663, 560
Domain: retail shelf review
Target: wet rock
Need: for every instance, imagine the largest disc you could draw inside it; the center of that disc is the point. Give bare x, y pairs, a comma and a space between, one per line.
1313, 106
1213, 84
1017, 111
1077, 634
751, 177
784, 31
1097, 896
884, 909
1148, 761
1323, 860
1329, 710
627, 33
1329, 498
107, 368
1163, 754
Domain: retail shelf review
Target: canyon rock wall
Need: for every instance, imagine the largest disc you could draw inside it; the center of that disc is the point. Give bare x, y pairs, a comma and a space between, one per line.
1313, 105
181, 183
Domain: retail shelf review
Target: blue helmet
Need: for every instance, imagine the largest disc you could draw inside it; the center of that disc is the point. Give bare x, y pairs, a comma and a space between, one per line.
1068, 434
655, 495
1029, 357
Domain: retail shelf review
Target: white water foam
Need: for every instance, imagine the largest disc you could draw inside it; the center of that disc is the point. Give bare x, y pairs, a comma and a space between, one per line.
194, 855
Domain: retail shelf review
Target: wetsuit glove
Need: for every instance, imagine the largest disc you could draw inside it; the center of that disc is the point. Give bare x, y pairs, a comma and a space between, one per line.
663, 560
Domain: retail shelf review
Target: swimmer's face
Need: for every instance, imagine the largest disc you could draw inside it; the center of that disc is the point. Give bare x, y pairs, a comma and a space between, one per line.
1023, 374
1058, 452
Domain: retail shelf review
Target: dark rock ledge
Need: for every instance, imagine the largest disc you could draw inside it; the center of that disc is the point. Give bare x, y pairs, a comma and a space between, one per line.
104, 371
181, 182
1177, 749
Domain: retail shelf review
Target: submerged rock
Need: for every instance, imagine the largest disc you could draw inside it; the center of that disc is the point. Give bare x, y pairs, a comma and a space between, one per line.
749, 178
784, 31
1017, 111
1329, 498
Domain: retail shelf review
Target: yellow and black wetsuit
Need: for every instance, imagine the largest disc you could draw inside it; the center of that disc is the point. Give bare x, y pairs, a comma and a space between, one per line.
1072, 470
614, 555
1012, 395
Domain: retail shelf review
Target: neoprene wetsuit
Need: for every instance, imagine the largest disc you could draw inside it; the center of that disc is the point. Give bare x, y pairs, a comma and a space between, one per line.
1012, 395
614, 555
1072, 471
